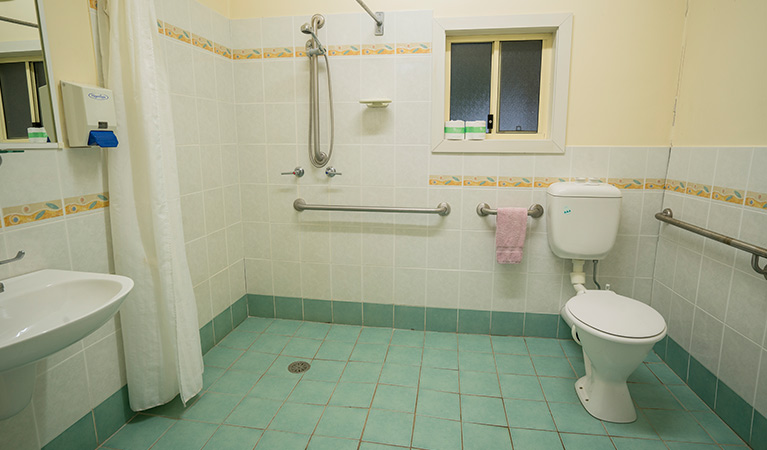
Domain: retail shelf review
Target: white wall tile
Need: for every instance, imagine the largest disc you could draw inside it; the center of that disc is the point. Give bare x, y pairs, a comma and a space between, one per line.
59, 399
106, 368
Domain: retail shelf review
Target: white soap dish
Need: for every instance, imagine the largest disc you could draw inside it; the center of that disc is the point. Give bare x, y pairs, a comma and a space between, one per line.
376, 102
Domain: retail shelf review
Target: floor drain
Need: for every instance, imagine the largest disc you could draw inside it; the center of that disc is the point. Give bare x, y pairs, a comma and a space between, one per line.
298, 367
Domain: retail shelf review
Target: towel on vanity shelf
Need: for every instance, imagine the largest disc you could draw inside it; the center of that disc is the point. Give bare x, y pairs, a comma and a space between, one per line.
510, 228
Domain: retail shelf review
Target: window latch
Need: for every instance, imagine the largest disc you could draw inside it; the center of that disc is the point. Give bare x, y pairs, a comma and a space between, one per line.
489, 123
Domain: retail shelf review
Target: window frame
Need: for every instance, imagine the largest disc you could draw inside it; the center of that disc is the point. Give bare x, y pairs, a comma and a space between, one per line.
545, 90
551, 136
31, 92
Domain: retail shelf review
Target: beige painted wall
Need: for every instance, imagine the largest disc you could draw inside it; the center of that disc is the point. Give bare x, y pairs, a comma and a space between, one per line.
625, 59
723, 94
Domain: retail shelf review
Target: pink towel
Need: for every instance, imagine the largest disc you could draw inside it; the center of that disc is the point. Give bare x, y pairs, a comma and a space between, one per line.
510, 229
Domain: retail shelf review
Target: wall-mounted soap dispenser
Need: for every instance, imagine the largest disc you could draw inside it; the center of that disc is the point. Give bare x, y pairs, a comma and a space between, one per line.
89, 113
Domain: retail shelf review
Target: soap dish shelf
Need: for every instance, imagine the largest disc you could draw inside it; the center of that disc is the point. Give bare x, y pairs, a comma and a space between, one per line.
376, 102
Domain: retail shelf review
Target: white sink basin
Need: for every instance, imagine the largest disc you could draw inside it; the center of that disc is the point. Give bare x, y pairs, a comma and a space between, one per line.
44, 312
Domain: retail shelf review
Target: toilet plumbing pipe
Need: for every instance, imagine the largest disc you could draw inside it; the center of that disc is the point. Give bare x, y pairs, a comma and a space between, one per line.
578, 277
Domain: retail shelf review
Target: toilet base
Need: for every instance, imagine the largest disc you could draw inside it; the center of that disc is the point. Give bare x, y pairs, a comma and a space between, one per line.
608, 401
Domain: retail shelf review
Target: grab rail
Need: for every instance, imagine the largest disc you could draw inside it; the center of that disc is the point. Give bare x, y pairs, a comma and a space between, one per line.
442, 209
535, 211
667, 216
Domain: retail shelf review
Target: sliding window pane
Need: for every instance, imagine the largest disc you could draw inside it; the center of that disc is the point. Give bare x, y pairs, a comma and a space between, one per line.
470, 72
15, 93
520, 86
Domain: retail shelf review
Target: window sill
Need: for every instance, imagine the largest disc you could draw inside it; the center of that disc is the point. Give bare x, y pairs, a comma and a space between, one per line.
499, 146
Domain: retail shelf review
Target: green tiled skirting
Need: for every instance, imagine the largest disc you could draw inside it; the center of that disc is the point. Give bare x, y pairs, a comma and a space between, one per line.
736, 412
405, 317
214, 331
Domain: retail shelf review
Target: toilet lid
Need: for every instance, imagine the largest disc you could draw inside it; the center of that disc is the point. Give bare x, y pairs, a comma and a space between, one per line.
615, 314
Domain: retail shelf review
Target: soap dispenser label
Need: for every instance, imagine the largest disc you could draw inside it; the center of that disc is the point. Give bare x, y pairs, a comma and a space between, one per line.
567, 210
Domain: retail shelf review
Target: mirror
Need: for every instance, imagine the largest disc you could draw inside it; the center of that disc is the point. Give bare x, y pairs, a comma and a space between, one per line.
27, 112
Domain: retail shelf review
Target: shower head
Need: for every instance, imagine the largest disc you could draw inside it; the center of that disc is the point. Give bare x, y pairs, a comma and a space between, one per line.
306, 28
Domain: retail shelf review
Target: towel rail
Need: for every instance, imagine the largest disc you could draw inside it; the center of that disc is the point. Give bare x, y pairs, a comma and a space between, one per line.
535, 211
757, 252
442, 209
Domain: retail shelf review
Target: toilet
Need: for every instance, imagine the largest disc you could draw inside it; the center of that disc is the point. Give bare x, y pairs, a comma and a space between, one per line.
616, 332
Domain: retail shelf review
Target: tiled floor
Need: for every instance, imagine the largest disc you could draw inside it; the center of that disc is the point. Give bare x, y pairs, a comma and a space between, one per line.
378, 388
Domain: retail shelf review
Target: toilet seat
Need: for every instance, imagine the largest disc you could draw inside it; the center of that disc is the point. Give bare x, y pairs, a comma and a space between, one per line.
616, 315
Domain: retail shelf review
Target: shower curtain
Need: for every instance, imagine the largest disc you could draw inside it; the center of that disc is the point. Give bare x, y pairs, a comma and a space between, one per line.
159, 317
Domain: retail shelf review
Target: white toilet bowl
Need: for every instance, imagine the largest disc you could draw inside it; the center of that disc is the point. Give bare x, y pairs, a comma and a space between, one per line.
616, 333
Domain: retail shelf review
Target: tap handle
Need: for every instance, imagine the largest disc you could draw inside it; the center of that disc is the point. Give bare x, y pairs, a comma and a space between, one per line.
331, 172
19, 255
298, 172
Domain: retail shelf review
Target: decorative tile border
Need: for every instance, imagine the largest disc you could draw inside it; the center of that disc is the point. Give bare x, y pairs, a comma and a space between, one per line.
445, 180
33, 212
729, 195
626, 183
519, 182
698, 190
74, 205
756, 200
240, 54
656, 183
479, 181
544, 182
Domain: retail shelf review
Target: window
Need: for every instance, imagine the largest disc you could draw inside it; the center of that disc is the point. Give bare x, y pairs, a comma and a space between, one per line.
514, 69
19, 100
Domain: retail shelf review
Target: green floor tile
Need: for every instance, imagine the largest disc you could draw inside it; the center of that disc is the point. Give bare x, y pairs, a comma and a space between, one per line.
210, 375
335, 350
400, 375
443, 359
239, 340
444, 341
544, 347
444, 405
529, 414
689, 400
369, 352
395, 398
222, 357
233, 438
254, 412
718, 430
254, 362
362, 372
342, 422
280, 440
665, 374
186, 436
653, 396
270, 343
325, 370
477, 362
677, 426
535, 440
235, 382
586, 442
297, 418
302, 347
520, 387
572, 418
638, 444
212, 407
484, 410
479, 383
313, 392
483, 437
370, 335
640, 428
571, 348
374, 446
358, 395
174, 408
313, 330
549, 366
404, 355
275, 388
329, 443
408, 338
255, 325
517, 364
388, 427
345, 333
509, 345
474, 343
643, 375
280, 367
436, 434
439, 379
691, 446
560, 390
283, 327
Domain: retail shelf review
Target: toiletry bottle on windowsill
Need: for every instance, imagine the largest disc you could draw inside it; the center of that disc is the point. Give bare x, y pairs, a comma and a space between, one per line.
36, 133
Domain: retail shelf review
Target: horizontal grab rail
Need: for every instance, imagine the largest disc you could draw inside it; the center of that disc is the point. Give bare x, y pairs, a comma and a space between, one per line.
442, 209
535, 211
757, 252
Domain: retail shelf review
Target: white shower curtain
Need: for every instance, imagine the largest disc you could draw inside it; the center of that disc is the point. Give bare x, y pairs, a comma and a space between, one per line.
159, 317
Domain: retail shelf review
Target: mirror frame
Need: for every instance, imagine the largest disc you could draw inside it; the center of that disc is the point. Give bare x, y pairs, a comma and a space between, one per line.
54, 91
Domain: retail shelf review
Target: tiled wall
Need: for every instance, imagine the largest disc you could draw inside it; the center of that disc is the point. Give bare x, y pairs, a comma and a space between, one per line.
714, 303
197, 47
54, 207
385, 159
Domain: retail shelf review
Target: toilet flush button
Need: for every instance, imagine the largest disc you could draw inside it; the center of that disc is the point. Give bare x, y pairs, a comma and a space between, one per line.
580, 180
